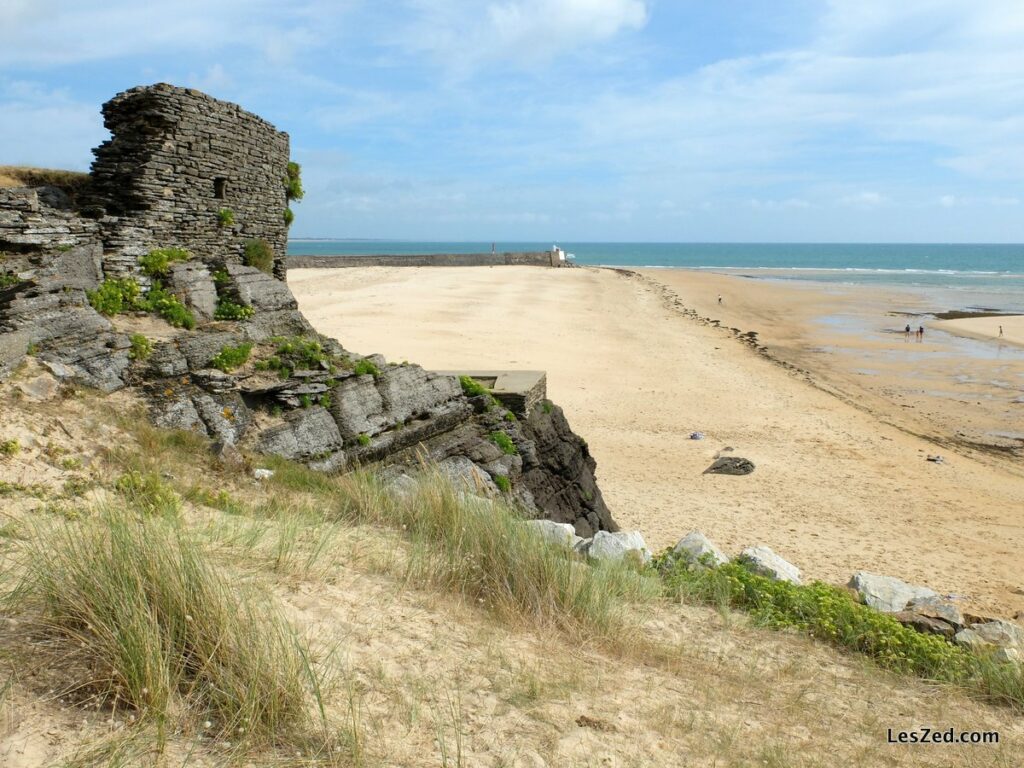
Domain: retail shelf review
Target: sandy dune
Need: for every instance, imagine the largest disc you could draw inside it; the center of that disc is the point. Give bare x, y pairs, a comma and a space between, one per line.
836, 489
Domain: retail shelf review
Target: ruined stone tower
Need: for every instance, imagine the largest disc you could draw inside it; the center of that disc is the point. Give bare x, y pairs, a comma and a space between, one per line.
183, 169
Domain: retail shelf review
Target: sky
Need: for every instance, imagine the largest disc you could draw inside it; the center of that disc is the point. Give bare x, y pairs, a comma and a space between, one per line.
571, 120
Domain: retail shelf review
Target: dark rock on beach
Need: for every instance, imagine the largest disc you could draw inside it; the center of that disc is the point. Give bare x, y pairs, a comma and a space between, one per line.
730, 465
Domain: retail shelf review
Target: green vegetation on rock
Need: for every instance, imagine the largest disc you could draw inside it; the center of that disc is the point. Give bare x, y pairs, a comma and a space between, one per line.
115, 296
157, 263
230, 357
366, 367
225, 217
10, 447
297, 353
293, 182
141, 348
169, 307
229, 310
472, 388
503, 483
259, 254
503, 441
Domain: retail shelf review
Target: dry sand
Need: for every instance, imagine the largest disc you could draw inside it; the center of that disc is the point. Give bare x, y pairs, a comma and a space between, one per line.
838, 486
988, 328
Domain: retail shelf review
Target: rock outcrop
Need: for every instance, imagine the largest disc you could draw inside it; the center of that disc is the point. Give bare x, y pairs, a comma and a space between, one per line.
212, 336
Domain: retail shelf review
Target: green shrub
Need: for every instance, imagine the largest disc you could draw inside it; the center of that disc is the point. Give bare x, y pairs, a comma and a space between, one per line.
8, 279
509, 416
157, 626
503, 483
325, 400
229, 310
142, 347
823, 611
472, 388
225, 217
220, 277
157, 263
305, 401
10, 447
115, 296
293, 182
259, 254
364, 439
147, 492
504, 442
296, 353
366, 367
169, 307
289, 217
230, 358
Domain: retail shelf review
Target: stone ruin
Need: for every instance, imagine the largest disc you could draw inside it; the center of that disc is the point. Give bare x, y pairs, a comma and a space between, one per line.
177, 158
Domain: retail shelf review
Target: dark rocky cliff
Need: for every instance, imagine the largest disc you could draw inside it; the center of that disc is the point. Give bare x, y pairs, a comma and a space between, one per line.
217, 345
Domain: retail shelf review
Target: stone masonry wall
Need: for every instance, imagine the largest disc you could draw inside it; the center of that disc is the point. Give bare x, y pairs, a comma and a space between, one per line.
178, 157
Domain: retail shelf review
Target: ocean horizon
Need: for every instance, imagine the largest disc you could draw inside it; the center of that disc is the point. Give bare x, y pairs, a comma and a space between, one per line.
966, 276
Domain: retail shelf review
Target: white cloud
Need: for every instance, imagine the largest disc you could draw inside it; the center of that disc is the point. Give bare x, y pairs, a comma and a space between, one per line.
465, 35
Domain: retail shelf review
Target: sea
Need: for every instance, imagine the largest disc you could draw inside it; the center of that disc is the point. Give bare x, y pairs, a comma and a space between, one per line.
968, 277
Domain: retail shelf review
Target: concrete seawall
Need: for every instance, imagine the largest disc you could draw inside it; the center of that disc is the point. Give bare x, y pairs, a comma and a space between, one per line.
535, 259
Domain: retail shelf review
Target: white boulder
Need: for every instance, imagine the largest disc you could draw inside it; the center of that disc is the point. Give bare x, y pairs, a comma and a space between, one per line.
764, 562
695, 547
885, 593
612, 547
557, 533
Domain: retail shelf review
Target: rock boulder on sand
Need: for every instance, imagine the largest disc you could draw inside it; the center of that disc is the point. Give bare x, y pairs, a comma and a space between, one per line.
764, 562
615, 546
885, 593
695, 547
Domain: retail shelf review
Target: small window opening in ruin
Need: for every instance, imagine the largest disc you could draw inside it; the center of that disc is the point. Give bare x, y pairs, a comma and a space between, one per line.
220, 188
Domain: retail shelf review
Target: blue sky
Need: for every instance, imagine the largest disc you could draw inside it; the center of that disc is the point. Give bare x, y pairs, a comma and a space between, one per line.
651, 120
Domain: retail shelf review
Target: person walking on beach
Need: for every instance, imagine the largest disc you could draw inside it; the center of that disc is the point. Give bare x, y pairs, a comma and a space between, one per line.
719, 298
906, 333
920, 334
1000, 331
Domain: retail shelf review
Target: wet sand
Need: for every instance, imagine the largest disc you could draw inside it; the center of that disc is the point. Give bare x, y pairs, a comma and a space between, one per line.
841, 483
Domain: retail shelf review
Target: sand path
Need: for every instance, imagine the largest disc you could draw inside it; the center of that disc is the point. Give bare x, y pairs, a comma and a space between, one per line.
835, 489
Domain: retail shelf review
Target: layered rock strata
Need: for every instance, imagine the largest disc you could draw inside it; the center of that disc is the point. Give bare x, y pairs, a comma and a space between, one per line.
259, 378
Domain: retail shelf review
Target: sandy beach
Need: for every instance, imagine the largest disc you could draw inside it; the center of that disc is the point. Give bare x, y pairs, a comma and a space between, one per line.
988, 328
842, 481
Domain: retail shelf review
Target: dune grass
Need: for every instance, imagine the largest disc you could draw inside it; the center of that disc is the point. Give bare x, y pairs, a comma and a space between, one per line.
153, 624
481, 550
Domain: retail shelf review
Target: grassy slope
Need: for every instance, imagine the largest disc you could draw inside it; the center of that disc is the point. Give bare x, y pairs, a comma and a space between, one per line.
424, 661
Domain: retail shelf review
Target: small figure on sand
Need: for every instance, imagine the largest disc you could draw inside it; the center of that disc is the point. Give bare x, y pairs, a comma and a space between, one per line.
920, 334
906, 333
719, 298
1000, 331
